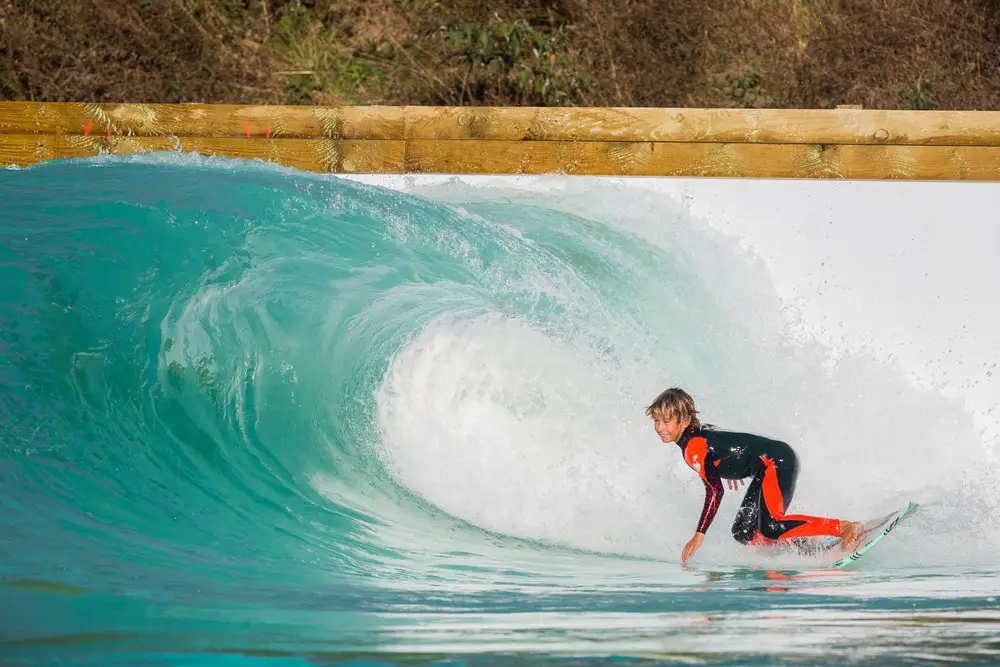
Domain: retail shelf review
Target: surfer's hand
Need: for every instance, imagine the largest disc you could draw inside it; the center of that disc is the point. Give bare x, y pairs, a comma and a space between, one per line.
691, 547
735, 483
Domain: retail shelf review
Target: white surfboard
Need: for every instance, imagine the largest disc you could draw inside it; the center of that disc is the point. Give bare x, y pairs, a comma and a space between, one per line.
875, 531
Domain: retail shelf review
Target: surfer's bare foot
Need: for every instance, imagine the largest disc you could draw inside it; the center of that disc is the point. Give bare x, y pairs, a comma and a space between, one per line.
850, 531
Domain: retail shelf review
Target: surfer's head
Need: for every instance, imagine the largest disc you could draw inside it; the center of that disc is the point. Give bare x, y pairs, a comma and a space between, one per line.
673, 411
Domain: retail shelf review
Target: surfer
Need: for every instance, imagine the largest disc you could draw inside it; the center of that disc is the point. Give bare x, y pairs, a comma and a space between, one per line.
716, 455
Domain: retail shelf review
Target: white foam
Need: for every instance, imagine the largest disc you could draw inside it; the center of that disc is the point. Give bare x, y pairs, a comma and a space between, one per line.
499, 424
880, 370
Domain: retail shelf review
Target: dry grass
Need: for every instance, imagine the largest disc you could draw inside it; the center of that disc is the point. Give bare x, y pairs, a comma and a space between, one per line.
131, 50
794, 53
739, 53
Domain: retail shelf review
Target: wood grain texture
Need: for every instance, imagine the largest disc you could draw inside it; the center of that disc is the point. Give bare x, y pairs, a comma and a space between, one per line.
540, 157
202, 120
323, 155
774, 143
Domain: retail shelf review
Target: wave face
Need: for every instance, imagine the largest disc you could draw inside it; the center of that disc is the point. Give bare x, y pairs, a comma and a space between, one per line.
245, 408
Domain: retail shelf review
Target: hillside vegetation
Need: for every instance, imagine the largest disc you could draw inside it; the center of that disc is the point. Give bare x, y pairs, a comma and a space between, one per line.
908, 54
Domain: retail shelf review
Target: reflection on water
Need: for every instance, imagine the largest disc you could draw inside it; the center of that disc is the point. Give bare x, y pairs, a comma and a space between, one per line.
711, 616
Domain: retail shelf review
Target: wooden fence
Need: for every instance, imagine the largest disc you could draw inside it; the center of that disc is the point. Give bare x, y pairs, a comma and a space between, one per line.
765, 143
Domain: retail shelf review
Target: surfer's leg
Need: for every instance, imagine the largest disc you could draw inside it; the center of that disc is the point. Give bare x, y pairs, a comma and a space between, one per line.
748, 516
777, 489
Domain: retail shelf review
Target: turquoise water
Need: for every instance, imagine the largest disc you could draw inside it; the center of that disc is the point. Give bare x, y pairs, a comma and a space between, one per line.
255, 416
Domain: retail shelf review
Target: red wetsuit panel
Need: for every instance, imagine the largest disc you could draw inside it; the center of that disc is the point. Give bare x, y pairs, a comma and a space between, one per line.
790, 525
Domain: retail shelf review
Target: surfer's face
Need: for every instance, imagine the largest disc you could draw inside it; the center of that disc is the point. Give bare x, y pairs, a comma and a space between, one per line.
670, 428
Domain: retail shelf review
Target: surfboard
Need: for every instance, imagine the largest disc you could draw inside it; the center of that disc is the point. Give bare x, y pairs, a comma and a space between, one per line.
828, 551
875, 531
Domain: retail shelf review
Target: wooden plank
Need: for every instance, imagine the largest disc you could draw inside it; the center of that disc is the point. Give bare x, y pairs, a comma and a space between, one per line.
715, 160
540, 157
813, 126
202, 120
810, 126
323, 155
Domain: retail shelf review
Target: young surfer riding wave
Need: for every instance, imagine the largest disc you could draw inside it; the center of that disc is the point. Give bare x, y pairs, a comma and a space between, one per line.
716, 455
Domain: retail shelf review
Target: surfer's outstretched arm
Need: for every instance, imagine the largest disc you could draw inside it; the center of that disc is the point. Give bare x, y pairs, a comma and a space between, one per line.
714, 490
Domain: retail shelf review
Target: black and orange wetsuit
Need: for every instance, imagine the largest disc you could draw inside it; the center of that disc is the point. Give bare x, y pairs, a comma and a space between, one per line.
716, 455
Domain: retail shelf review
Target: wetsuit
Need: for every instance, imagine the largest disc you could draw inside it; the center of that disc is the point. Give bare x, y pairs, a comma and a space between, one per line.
716, 455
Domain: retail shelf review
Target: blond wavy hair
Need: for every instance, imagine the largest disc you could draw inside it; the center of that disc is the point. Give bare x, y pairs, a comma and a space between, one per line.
674, 402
